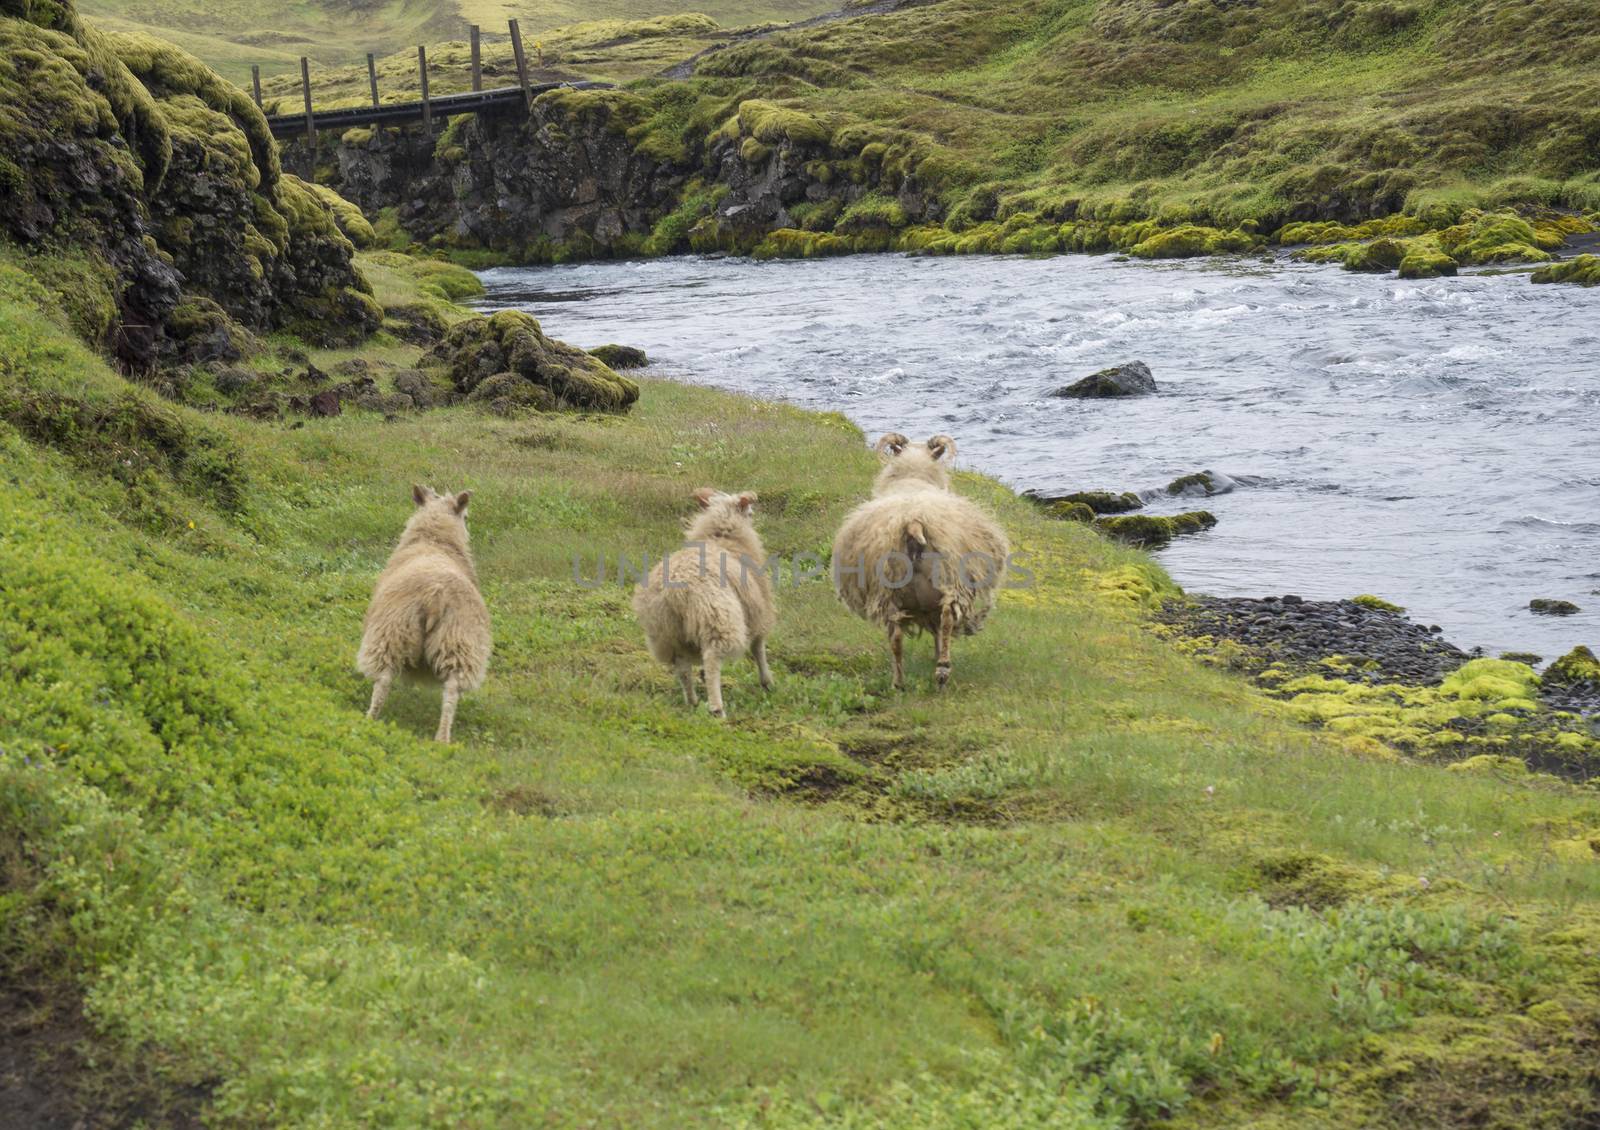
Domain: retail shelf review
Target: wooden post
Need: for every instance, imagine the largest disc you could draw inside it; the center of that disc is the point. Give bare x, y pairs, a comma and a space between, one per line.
372, 78
255, 83
522, 63
477, 61
305, 86
422, 69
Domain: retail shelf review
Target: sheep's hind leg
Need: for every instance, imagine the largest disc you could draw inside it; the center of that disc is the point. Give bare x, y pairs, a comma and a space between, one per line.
447, 708
758, 649
947, 627
380, 693
682, 668
713, 662
897, 651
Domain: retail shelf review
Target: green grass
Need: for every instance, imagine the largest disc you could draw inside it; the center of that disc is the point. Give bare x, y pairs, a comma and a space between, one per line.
230, 35
1093, 884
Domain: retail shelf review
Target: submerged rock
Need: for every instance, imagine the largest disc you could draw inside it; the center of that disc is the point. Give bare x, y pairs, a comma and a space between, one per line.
509, 347
620, 356
1099, 501
1132, 379
1544, 607
1151, 531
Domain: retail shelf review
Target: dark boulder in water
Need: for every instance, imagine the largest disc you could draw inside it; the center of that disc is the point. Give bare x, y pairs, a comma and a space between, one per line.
1132, 379
1553, 607
620, 356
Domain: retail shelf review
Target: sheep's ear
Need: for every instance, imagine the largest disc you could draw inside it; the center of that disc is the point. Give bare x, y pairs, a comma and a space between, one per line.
747, 500
420, 494
461, 501
891, 444
704, 495
943, 447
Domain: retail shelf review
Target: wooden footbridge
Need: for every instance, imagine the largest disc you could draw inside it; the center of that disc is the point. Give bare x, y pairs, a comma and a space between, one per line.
424, 110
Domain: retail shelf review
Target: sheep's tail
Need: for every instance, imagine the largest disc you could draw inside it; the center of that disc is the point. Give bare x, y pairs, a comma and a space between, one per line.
916, 539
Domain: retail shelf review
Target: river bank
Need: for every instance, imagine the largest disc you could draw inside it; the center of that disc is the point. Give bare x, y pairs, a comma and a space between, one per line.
1412, 439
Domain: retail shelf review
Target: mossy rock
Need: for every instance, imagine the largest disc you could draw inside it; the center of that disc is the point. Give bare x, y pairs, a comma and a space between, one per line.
1583, 270
1151, 531
510, 341
1377, 603
1105, 501
1577, 666
1547, 607
1377, 256
620, 356
506, 394
1424, 263
201, 331
1199, 483
1070, 511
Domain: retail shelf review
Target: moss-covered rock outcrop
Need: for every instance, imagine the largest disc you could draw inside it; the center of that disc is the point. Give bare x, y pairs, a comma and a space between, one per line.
506, 362
128, 155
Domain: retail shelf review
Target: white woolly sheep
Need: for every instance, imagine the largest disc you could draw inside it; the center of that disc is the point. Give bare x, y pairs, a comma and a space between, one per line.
711, 599
918, 555
427, 619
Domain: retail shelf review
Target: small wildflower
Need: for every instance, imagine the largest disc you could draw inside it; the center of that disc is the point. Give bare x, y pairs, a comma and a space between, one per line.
1211, 790
191, 523
1422, 881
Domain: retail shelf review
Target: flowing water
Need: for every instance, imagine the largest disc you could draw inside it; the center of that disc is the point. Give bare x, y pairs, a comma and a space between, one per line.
1430, 442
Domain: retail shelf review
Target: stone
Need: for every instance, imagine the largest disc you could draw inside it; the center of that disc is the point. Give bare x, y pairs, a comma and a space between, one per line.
1546, 607
620, 356
324, 404
1132, 379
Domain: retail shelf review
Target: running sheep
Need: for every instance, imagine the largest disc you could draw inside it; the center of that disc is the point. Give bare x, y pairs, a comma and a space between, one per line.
918, 556
427, 619
710, 600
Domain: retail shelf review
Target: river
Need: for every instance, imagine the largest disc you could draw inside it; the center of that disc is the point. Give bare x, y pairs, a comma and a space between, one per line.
1432, 442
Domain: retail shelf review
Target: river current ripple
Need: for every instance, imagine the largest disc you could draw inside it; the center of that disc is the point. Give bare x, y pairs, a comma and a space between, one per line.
1433, 442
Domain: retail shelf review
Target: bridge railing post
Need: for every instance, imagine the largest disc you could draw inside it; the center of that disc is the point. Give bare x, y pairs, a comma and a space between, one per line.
477, 61
372, 78
255, 83
305, 87
422, 70
522, 64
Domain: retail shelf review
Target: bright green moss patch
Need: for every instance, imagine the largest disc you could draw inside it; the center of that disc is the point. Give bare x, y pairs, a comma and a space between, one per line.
1582, 269
1377, 603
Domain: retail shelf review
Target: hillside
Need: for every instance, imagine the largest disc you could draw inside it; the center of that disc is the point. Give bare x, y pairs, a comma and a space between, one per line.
232, 36
1094, 884
1097, 883
1049, 125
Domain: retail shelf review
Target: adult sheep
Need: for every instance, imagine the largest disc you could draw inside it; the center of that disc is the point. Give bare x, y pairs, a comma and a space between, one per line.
917, 555
427, 618
710, 600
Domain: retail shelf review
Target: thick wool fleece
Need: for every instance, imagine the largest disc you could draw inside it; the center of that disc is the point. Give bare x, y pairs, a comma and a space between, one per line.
427, 618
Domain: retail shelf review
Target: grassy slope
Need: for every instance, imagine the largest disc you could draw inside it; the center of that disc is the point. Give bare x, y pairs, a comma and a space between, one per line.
1092, 884
1214, 108
230, 36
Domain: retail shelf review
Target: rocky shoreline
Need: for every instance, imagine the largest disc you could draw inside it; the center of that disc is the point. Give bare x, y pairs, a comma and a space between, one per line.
1366, 672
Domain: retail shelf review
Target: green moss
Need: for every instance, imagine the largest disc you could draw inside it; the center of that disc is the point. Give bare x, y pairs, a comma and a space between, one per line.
1583, 270
1424, 263
772, 124
1376, 603
1198, 483
84, 287
1192, 240
512, 343
1577, 666
1106, 502
1154, 531
347, 216
1070, 511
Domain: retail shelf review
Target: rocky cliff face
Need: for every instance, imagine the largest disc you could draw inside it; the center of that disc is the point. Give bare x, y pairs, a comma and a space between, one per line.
161, 183
592, 173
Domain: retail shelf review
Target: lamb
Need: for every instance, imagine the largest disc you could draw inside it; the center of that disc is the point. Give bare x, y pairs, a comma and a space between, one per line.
427, 619
917, 555
710, 599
